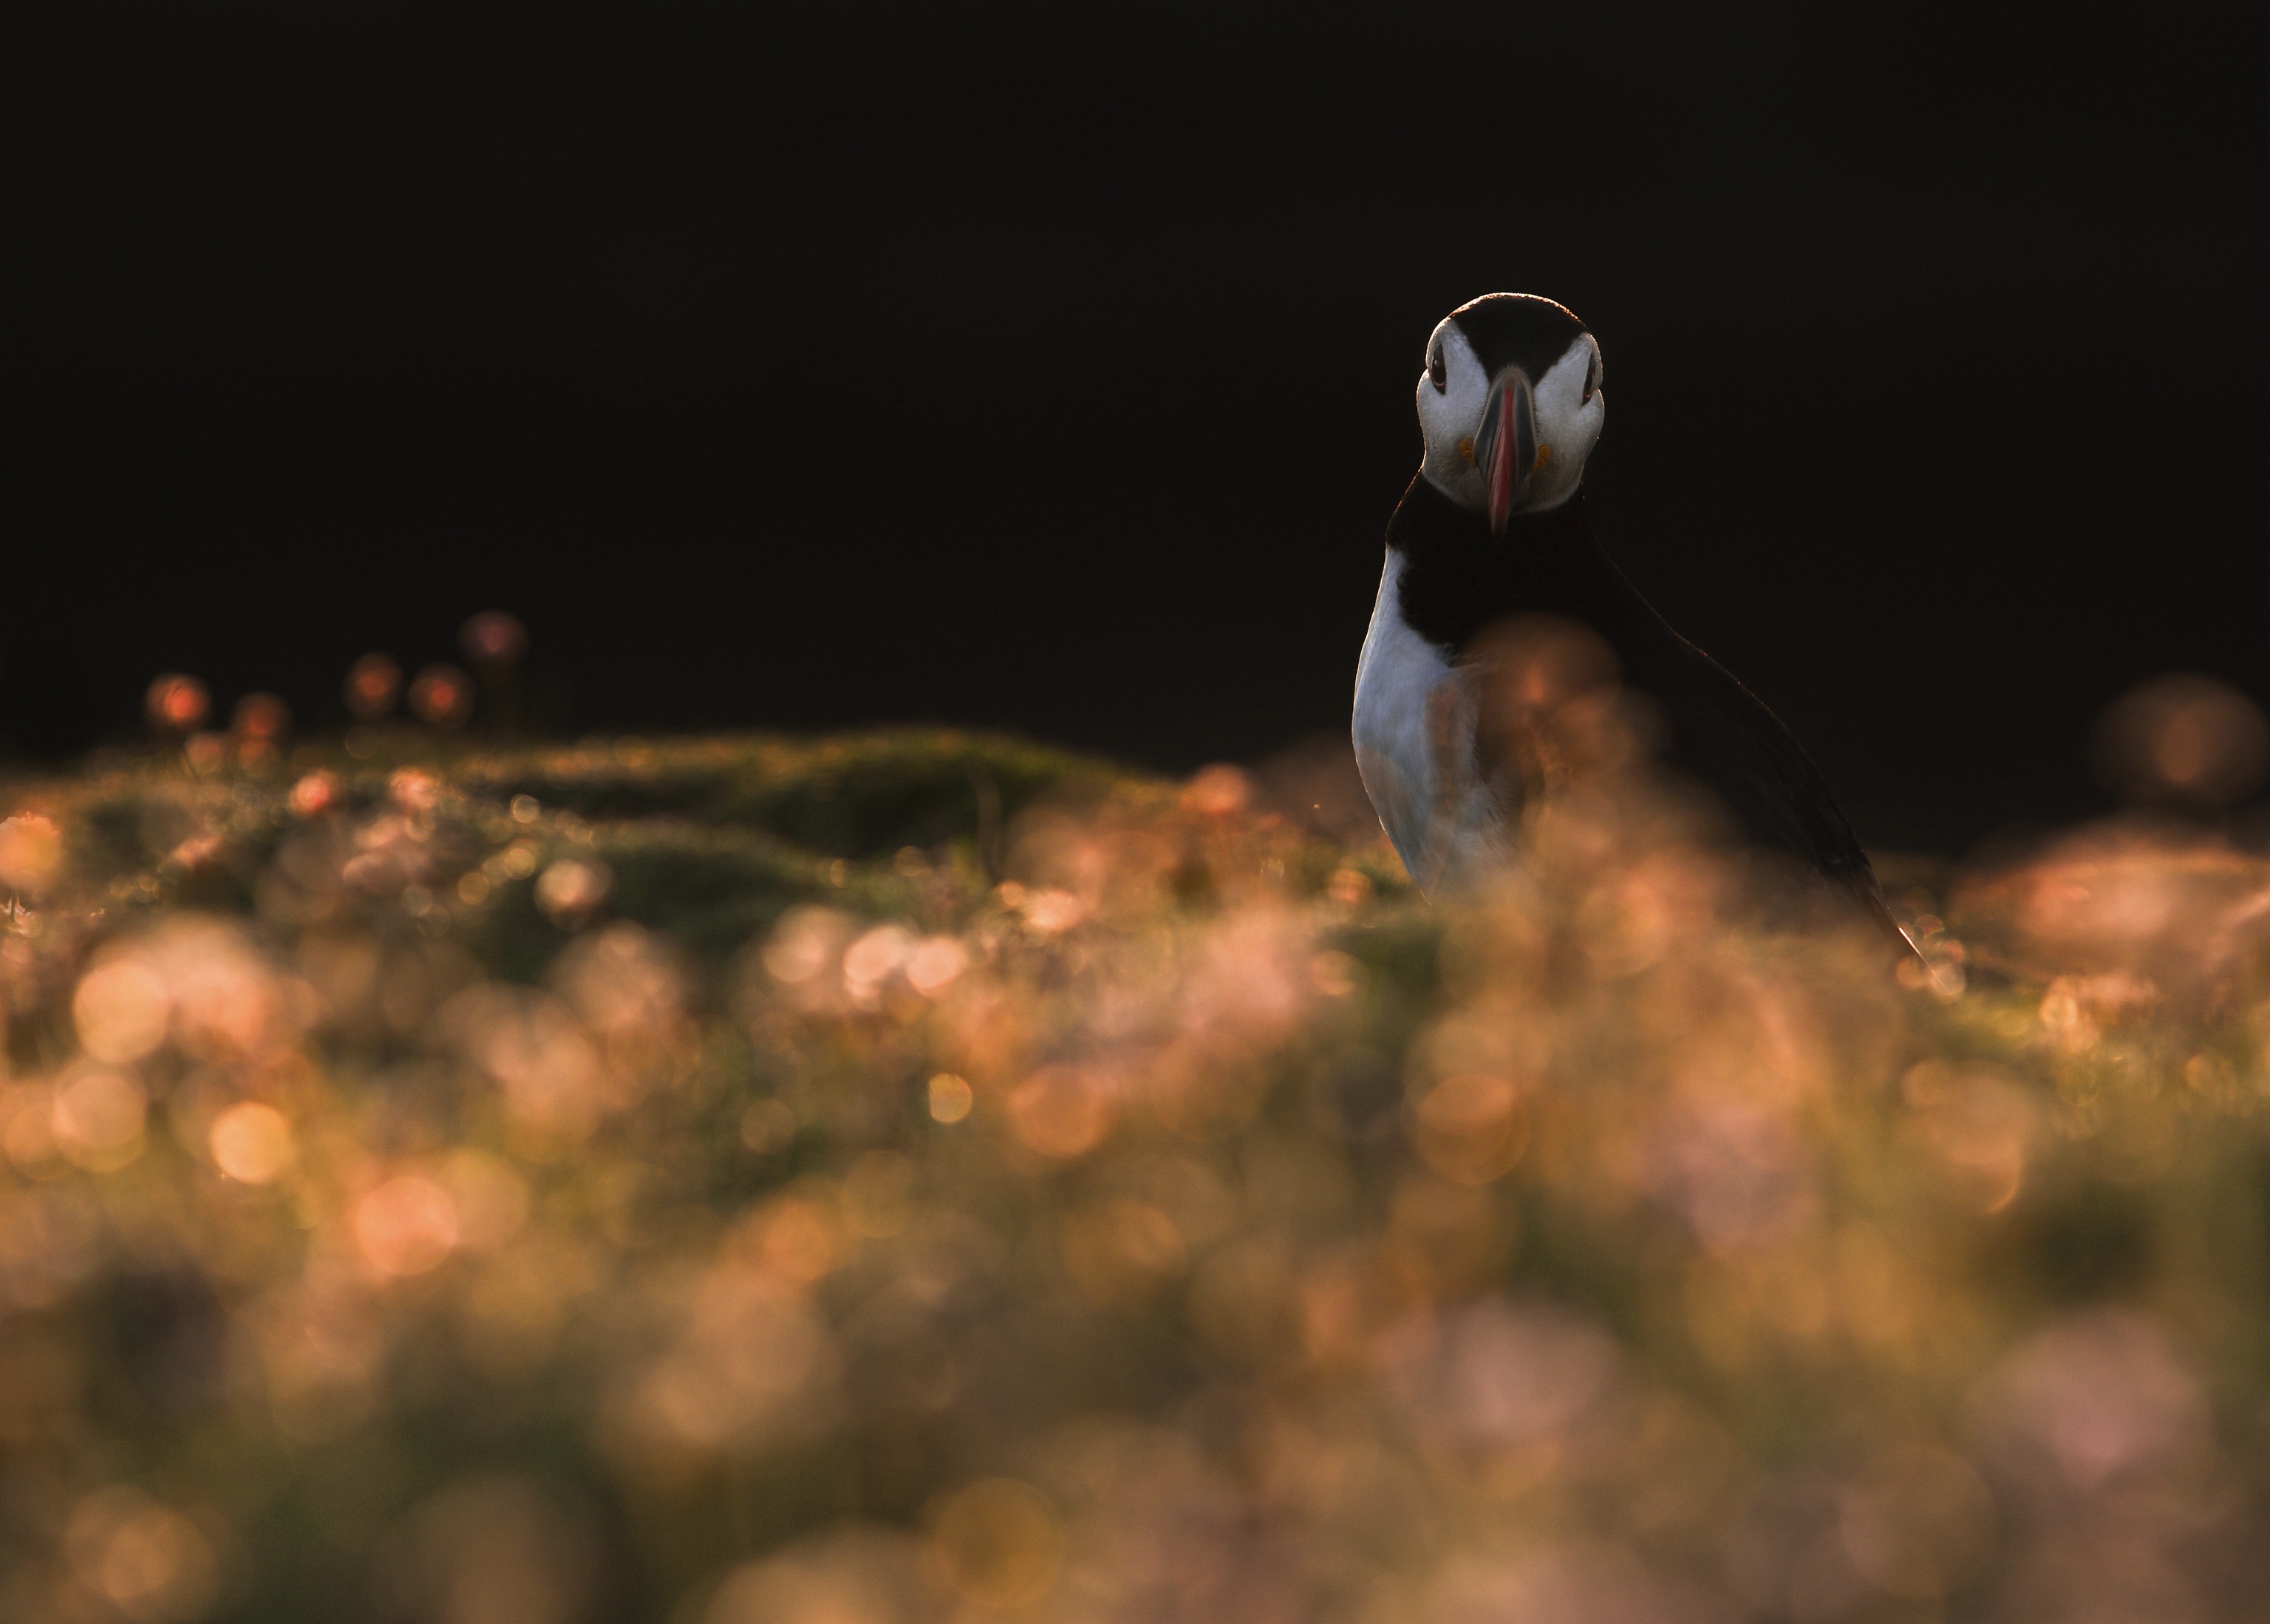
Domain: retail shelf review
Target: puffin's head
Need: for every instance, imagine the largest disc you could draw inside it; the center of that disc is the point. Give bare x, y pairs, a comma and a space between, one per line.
1510, 404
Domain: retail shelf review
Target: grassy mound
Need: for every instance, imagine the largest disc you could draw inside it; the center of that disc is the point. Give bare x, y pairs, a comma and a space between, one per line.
915, 1176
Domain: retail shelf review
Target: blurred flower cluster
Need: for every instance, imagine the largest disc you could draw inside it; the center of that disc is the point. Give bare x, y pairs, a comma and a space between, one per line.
619, 1182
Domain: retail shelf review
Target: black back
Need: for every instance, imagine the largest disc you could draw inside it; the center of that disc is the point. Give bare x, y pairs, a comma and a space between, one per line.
1459, 579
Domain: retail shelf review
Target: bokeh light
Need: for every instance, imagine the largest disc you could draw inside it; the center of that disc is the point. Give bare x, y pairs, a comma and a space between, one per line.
147, 1561
2185, 739
30, 851
493, 640
251, 1142
998, 1543
570, 890
374, 686
407, 1224
314, 793
261, 716
442, 697
176, 703
98, 1116
950, 1098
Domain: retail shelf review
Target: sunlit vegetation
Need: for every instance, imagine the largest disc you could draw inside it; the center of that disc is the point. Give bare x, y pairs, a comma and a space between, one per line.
918, 1178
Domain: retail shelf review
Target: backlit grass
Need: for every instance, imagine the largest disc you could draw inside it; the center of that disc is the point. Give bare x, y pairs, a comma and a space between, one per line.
919, 1177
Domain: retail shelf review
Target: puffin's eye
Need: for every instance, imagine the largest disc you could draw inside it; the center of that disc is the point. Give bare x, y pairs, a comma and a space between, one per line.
1437, 372
1591, 379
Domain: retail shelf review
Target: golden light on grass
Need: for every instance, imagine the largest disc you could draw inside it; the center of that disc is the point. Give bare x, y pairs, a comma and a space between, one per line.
206, 752
748, 1361
406, 1226
1919, 1522
99, 1116
552, 1071
1050, 910
496, 1546
874, 958
414, 789
767, 1125
998, 1543
30, 851
804, 942
27, 1126
313, 793
122, 1009
144, 1559
251, 1143
1302, 1251
1471, 1127
800, 1237
1335, 975
935, 963
879, 1195
1218, 791
950, 1098
570, 890
1061, 1111
855, 1576
1119, 1247
1979, 1121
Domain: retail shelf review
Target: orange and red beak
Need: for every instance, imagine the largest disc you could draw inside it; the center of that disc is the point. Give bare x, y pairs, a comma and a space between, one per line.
1506, 448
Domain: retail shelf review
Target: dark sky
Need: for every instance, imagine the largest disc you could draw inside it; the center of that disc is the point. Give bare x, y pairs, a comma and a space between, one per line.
1020, 366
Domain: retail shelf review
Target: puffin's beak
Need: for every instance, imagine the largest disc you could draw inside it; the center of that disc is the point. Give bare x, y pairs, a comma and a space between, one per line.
1506, 448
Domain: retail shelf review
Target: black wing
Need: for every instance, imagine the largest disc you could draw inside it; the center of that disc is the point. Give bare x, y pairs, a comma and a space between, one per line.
1724, 737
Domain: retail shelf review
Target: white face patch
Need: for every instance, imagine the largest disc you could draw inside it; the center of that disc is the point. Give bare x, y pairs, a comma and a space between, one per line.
1568, 425
1450, 417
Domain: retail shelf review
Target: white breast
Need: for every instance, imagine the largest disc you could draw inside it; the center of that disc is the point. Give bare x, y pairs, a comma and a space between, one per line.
1419, 770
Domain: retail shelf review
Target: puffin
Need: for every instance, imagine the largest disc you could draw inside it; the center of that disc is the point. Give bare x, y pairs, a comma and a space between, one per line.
1493, 533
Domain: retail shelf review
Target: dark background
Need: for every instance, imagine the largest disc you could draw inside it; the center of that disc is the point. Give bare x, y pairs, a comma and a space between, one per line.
1053, 368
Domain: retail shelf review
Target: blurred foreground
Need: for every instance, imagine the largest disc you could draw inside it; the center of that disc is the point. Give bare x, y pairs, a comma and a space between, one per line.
916, 1177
